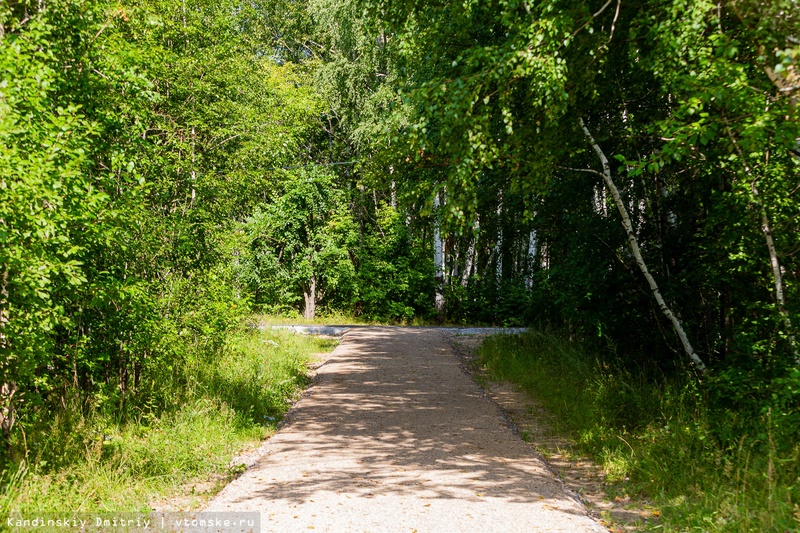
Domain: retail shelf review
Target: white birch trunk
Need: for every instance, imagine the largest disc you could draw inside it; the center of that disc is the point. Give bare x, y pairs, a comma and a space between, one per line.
600, 205
470, 259
777, 275
532, 249
438, 257
4, 314
637, 254
544, 254
8, 412
498, 248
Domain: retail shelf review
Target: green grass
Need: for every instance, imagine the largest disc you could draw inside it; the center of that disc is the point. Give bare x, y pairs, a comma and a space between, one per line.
657, 437
92, 464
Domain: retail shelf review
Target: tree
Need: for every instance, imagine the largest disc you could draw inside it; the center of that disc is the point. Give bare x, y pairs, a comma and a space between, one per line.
298, 243
135, 137
65, 185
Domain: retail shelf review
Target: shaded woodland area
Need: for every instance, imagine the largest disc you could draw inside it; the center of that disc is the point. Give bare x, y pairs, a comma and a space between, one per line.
626, 174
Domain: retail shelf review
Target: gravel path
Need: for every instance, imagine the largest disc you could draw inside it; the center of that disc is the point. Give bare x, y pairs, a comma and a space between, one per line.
393, 436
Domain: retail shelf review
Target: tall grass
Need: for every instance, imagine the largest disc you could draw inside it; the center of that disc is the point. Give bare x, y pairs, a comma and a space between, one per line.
95, 463
658, 436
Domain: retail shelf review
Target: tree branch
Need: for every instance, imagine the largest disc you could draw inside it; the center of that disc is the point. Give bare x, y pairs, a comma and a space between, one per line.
599, 12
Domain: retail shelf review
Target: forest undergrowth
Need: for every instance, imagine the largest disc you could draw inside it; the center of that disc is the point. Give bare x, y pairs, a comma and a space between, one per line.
87, 461
658, 435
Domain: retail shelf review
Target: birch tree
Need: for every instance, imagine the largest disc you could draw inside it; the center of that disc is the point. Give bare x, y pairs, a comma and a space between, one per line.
438, 256
497, 89
636, 251
471, 254
533, 249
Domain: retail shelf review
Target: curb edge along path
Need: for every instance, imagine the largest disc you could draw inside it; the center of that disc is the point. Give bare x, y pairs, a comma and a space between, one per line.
394, 436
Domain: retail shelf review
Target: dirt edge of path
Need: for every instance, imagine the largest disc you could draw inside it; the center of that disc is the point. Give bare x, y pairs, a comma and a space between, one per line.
581, 478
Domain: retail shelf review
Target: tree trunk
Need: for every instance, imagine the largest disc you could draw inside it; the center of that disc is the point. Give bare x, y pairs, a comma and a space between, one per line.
8, 415
544, 254
194, 172
310, 298
532, 249
637, 254
4, 318
498, 248
470, 259
438, 258
777, 276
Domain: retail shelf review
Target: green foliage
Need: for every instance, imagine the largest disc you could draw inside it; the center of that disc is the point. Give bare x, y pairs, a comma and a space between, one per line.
135, 136
298, 243
67, 191
391, 284
693, 99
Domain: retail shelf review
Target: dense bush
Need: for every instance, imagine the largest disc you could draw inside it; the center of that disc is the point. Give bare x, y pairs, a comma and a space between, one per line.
129, 134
